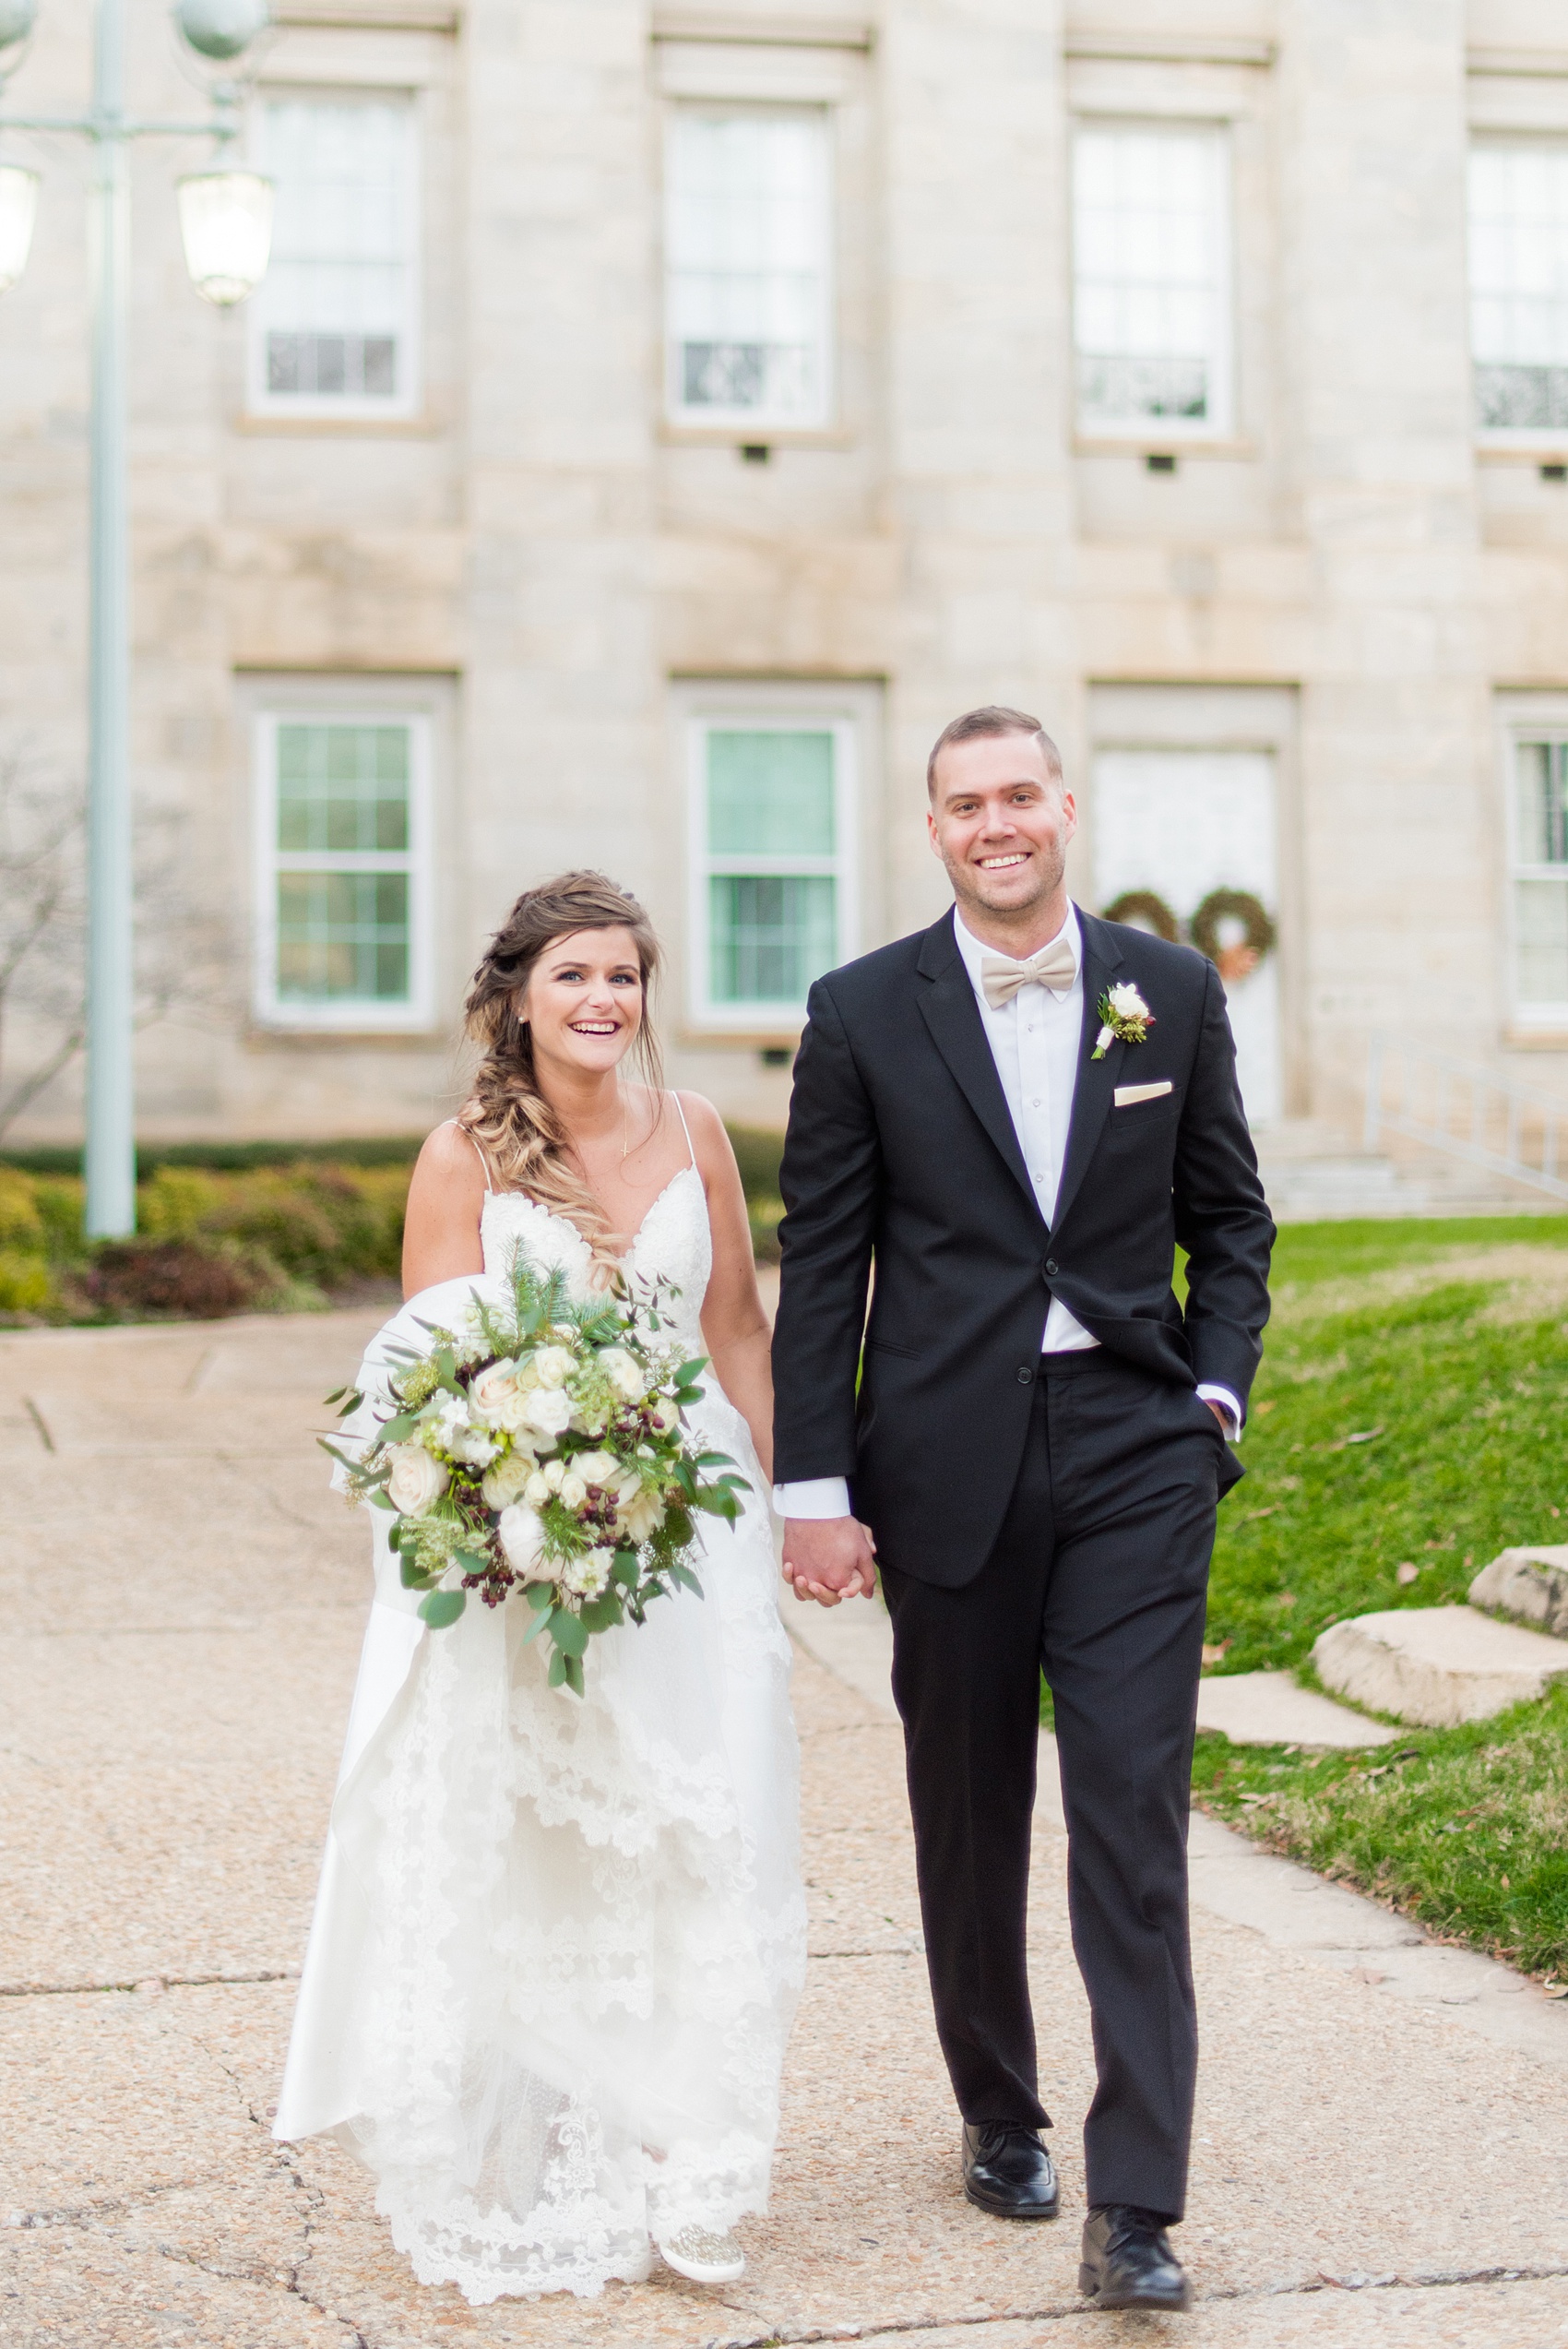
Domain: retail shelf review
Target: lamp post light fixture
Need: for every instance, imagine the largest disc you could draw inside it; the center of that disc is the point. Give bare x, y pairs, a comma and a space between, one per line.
226, 224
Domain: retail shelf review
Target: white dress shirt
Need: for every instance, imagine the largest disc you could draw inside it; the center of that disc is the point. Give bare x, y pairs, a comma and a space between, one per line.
1034, 1038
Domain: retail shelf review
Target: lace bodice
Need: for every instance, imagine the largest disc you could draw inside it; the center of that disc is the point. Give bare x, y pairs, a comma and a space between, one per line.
673, 1244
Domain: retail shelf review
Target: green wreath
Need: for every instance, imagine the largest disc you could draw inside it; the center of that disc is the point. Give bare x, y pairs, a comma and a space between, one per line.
1134, 904
1232, 905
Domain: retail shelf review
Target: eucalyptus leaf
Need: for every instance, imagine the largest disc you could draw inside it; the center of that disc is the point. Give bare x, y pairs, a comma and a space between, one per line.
557, 1672
412, 1576
442, 1608
566, 1630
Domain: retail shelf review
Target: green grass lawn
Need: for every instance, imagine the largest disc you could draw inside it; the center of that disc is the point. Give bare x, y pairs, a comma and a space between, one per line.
1410, 1411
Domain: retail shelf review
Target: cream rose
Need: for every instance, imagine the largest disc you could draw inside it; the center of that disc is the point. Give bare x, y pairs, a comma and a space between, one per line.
536, 1492
521, 1537
641, 1515
665, 1417
496, 1396
506, 1480
624, 1373
417, 1481
597, 1468
573, 1491
553, 1365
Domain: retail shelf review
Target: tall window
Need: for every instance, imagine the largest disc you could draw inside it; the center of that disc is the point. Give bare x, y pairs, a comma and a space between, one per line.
333, 326
1152, 265
773, 819
748, 298
1540, 877
1519, 285
341, 919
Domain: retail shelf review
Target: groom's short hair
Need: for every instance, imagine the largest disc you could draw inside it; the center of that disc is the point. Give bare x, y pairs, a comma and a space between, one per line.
975, 724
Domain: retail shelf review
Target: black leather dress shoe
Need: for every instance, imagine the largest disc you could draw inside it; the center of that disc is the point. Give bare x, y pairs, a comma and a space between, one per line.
1128, 2262
1007, 2171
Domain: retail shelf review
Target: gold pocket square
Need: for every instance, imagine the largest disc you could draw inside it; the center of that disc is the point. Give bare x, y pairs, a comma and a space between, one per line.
1125, 1095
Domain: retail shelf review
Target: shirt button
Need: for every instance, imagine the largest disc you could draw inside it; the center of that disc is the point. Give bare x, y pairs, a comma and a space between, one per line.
1026, 1376
1035, 1104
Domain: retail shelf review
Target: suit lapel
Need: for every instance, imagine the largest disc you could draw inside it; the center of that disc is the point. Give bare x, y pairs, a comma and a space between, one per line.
948, 1004
1095, 1079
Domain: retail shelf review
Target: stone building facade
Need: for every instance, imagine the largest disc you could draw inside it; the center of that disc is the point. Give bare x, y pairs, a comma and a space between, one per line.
657, 422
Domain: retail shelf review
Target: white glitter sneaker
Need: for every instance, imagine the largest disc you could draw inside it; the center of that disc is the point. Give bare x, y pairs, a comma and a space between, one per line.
702, 2257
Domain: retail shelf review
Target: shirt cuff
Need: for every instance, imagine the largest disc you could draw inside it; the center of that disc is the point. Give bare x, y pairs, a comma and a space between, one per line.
1227, 1402
816, 1496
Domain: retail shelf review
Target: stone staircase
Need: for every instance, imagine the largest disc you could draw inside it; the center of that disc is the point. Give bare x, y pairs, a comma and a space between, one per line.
1312, 1174
1437, 1666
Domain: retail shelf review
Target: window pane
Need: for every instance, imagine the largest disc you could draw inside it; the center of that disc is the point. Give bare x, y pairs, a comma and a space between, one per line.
334, 302
1543, 912
769, 938
1542, 773
1519, 284
748, 234
770, 795
343, 788
342, 935
1151, 273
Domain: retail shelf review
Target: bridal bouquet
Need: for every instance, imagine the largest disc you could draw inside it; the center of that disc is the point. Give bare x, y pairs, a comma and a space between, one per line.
541, 1447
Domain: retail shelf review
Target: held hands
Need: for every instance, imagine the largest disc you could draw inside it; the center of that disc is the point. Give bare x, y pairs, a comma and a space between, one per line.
829, 1559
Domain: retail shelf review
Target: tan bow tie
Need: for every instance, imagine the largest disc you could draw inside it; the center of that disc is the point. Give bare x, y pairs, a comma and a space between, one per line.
1055, 965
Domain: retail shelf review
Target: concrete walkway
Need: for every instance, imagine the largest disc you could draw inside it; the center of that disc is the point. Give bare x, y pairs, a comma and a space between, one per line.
1382, 2163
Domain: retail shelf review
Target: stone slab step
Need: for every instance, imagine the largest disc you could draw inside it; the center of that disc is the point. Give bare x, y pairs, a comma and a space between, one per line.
1529, 1584
1437, 1665
1270, 1709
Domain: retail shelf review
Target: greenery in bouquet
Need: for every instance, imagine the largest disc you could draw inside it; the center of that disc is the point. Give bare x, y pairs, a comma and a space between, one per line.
542, 1447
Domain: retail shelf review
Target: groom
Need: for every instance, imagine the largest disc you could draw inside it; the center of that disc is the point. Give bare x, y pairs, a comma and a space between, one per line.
1016, 1116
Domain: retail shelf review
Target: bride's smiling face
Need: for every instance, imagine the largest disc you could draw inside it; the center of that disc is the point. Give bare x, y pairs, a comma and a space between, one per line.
584, 999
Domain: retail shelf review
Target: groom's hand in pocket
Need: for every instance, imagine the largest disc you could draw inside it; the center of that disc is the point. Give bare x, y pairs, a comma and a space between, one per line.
829, 1559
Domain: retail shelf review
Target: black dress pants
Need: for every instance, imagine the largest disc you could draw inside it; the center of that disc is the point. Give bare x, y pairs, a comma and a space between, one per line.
1099, 1576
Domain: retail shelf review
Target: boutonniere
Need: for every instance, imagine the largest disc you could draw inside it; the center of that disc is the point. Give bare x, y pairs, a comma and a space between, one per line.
1123, 1013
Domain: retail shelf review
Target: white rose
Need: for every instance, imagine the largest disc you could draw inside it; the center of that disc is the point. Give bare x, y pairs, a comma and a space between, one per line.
550, 1410
573, 1492
505, 1481
596, 1468
665, 1417
553, 1473
553, 1365
520, 1535
536, 1492
416, 1480
624, 1373
1128, 1003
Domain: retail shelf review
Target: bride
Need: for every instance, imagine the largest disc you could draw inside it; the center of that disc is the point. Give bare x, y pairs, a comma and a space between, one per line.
558, 1940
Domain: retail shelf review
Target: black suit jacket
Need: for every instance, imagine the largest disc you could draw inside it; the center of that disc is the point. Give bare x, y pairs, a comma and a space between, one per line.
901, 1152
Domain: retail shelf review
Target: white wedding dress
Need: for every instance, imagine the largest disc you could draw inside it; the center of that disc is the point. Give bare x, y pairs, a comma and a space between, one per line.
558, 1940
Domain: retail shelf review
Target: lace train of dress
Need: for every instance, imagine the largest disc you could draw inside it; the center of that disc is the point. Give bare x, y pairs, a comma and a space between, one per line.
558, 1942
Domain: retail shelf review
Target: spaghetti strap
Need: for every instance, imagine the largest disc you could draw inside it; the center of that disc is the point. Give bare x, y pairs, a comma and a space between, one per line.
685, 1127
483, 1161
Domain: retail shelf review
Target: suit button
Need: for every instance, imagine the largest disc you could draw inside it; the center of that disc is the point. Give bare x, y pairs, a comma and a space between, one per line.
1026, 1376
1050, 1264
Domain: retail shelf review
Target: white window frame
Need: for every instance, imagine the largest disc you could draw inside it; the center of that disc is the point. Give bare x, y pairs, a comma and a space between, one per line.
754, 423
1220, 421
348, 1014
764, 716
314, 406
1530, 723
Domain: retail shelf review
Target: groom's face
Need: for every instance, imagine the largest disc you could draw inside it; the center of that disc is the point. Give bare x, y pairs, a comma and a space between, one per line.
1001, 819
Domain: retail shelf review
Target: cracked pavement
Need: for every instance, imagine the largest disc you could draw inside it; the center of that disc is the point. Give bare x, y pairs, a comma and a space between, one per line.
183, 1602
